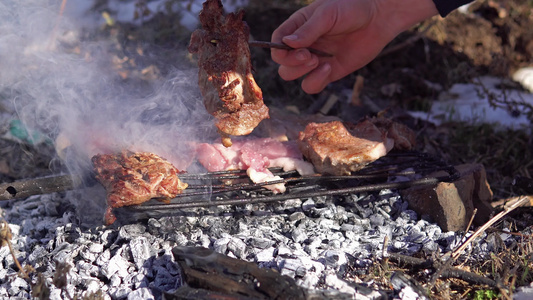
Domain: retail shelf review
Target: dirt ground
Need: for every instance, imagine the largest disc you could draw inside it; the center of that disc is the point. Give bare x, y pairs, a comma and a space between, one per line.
493, 38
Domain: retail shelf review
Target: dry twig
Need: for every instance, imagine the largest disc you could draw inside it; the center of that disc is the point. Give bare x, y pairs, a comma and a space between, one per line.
5, 238
514, 203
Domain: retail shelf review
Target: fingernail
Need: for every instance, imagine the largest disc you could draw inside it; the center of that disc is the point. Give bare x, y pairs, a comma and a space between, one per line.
291, 37
301, 55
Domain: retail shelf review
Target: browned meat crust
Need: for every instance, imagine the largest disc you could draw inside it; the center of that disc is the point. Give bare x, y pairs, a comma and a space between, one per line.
225, 78
133, 178
404, 138
341, 148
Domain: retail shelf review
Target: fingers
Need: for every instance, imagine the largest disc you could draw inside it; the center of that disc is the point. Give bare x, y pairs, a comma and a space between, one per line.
317, 79
285, 29
308, 32
291, 73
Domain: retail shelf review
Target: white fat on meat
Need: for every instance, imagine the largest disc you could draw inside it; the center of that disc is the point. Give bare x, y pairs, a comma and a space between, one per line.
255, 156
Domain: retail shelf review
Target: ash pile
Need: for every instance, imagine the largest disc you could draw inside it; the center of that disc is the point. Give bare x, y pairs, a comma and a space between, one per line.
320, 247
323, 243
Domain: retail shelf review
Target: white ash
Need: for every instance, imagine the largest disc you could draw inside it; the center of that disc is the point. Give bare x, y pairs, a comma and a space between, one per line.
317, 241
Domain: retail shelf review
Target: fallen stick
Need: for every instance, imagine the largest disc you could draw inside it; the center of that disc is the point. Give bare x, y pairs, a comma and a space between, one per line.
36, 186
513, 204
451, 272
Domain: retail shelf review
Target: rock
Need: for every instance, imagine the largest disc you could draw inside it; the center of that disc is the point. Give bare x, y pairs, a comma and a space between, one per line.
452, 204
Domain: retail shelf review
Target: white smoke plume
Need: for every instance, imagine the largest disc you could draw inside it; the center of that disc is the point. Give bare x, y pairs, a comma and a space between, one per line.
66, 87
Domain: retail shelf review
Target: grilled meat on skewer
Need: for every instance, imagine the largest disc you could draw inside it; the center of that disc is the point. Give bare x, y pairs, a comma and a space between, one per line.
225, 78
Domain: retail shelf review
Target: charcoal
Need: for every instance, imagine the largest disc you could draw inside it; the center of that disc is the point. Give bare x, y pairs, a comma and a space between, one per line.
130, 231
265, 255
312, 240
376, 219
115, 281
89, 255
87, 268
116, 264
297, 216
140, 250
260, 242
120, 292
308, 204
103, 258
299, 235
237, 247
221, 245
141, 294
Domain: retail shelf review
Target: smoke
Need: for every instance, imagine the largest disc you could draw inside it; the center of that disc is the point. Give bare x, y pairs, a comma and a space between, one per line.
57, 81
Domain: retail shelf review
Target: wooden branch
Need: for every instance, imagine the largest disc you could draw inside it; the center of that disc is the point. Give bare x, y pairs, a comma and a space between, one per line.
262, 44
516, 202
36, 186
447, 272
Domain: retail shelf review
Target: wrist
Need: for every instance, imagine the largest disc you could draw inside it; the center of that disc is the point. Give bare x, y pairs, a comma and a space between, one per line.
403, 14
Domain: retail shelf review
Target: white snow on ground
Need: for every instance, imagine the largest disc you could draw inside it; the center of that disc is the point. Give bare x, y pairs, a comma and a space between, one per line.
470, 103
124, 11
525, 77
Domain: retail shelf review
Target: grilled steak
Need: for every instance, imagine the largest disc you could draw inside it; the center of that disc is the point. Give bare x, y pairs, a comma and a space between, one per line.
340, 148
225, 78
404, 138
133, 178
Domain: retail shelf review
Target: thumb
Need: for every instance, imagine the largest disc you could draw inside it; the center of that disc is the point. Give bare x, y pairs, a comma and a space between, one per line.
309, 32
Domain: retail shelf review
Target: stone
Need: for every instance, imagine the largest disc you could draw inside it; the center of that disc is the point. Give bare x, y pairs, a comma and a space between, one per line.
451, 204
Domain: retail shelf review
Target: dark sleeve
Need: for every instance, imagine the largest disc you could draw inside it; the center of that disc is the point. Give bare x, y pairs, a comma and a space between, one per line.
447, 6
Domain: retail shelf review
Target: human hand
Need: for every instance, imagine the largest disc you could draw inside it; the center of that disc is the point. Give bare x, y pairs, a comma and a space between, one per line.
354, 31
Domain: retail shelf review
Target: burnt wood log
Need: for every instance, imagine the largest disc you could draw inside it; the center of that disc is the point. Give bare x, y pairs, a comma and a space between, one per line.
208, 270
36, 186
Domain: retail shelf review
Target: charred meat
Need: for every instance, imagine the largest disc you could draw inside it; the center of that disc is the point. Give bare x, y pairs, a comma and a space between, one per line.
225, 78
341, 148
133, 178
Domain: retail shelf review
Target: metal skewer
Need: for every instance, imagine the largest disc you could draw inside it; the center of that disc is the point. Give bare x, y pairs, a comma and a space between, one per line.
263, 44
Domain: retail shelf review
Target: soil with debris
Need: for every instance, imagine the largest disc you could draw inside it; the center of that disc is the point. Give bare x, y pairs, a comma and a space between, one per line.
493, 38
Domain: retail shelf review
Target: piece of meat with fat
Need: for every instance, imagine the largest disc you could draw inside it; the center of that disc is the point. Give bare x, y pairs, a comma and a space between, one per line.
225, 78
404, 138
341, 148
255, 155
133, 178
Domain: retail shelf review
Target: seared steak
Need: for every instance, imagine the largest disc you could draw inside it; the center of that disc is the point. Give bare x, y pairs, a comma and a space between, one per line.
404, 138
133, 178
225, 78
340, 148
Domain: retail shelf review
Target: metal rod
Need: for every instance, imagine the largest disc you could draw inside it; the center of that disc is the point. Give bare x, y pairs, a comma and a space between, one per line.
263, 44
282, 197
